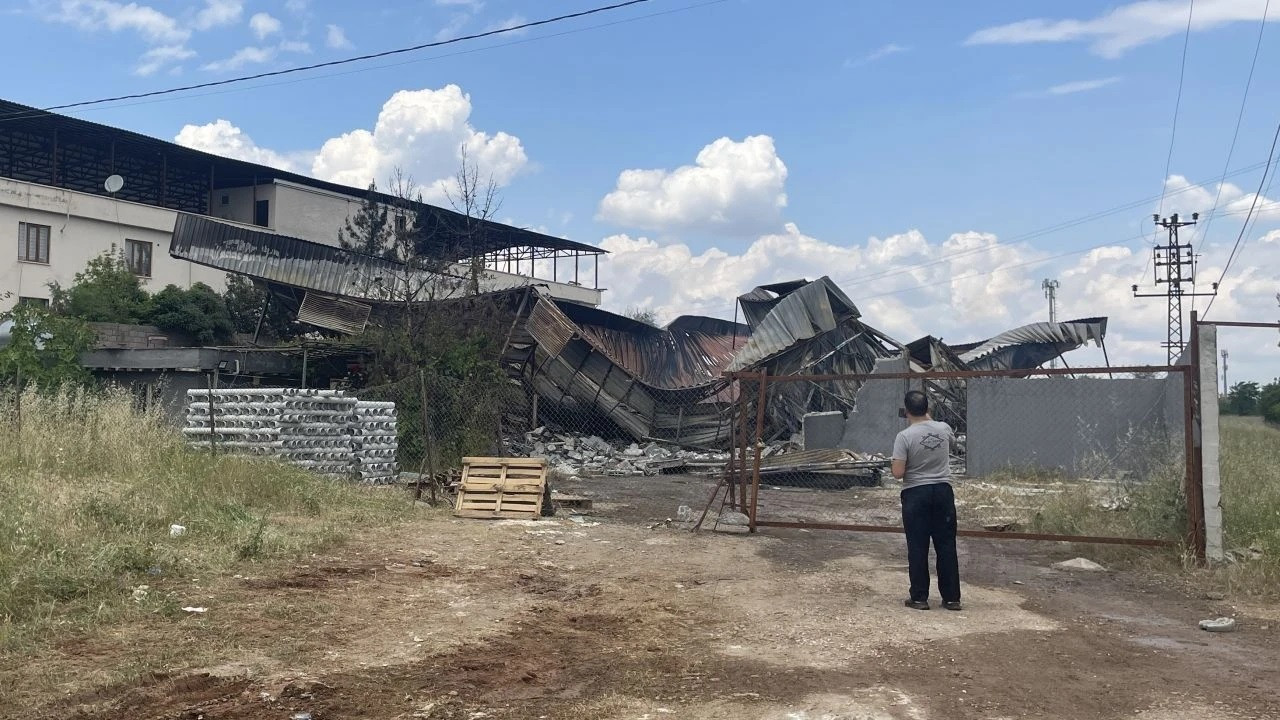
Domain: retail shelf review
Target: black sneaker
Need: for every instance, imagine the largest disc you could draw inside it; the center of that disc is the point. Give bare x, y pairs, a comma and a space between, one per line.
952, 605
916, 604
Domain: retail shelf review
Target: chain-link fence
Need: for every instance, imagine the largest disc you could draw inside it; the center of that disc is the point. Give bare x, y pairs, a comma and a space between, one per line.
1087, 454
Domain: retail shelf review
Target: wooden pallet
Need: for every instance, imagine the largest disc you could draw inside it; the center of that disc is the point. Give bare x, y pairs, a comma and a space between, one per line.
501, 488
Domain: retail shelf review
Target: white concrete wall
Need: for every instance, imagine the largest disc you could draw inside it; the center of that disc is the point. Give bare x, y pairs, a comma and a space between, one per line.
81, 227
240, 203
310, 213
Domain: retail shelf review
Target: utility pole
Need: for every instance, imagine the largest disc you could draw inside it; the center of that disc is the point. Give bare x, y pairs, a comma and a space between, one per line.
1051, 292
1224, 373
1175, 266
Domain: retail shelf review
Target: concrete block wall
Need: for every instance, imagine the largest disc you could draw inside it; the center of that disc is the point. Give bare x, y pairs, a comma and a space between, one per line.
134, 337
1064, 423
875, 421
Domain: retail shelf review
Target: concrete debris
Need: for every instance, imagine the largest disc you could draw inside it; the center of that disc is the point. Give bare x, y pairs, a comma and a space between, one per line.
1079, 564
684, 514
573, 455
734, 518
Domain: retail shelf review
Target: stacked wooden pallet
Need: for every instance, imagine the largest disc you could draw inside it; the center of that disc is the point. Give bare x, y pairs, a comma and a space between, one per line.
501, 488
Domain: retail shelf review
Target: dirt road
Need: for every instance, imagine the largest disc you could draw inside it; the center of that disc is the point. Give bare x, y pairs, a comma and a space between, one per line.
608, 618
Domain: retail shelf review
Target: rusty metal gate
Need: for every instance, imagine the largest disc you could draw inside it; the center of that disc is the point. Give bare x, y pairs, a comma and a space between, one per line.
1095, 455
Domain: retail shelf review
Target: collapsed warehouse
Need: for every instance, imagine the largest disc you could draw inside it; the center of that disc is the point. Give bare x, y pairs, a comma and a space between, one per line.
588, 370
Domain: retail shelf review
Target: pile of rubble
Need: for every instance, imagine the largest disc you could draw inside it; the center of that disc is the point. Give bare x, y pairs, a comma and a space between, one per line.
574, 454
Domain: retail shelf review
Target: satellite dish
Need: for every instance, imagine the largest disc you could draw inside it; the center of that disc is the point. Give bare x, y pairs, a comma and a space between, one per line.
113, 184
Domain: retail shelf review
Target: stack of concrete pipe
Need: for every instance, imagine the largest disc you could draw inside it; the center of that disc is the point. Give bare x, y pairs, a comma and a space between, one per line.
374, 441
324, 431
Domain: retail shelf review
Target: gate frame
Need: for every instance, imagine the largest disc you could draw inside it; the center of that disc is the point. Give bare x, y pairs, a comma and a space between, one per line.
1211, 493
1192, 479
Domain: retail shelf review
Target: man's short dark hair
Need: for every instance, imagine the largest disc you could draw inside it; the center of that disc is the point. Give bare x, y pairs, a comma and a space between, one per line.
916, 403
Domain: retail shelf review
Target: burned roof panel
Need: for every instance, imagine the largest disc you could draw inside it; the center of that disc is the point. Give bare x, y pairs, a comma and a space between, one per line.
1032, 345
690, 352
282, 259
802, 314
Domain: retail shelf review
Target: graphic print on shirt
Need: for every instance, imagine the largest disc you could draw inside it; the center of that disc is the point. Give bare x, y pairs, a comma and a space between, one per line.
932, 441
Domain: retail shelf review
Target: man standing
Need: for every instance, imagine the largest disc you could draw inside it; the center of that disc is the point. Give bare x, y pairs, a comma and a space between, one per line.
922, 461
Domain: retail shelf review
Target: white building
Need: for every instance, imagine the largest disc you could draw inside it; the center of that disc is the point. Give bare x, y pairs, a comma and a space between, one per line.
54, 202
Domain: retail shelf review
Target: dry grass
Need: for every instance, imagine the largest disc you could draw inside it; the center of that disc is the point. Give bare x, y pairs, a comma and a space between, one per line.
89, 487
1150, 505
1250, 465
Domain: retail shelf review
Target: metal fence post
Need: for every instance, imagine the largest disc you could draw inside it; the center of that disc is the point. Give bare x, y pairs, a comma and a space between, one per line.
755, 469
1195, 475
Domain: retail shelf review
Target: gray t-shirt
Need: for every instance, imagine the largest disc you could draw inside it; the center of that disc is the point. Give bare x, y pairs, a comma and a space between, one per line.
926, 446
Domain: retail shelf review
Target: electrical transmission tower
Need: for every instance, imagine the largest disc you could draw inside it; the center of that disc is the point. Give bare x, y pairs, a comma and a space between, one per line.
1175, 266
1051, 292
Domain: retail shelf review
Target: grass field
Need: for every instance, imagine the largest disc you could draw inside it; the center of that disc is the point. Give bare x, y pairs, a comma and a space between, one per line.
1251, 502
89, 487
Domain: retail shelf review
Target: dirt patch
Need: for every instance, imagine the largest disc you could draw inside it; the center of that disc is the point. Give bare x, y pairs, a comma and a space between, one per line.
307, 577
555, 619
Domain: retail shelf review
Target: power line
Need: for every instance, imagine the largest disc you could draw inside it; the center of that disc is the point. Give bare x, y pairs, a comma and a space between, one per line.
413, 61
1244, 99
348, 60
1244, 228
1257, 48
1177, 105
1064, 225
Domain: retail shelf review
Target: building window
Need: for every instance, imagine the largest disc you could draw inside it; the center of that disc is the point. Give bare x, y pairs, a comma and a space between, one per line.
33, 243
38, 302
137, 255
401, 222
262, 213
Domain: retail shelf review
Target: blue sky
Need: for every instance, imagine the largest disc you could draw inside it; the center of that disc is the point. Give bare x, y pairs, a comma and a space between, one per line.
905, 149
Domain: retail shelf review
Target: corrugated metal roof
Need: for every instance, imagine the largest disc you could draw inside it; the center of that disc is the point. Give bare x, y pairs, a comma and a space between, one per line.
286, 260
1032, 345
804, 313
334, 313
691, 352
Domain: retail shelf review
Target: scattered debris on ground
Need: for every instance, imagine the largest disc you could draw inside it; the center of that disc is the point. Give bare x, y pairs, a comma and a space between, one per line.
574, 454
1079, 564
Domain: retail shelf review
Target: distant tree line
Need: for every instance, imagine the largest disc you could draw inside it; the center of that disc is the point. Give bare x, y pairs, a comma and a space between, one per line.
1250, 398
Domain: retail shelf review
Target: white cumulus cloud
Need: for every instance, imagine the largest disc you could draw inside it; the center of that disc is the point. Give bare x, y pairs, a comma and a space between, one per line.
1125, 27
222, 138
733, 188
336, 38
263, 24
161, 57
152, 24
423, 132
217, 13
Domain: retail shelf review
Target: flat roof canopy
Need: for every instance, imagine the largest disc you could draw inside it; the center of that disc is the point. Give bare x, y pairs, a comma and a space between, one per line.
50, 149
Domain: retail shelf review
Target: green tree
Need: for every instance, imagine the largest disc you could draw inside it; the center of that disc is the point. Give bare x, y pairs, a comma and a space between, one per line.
1242, 399
199, 312
244, 300
1269, 401
105, 291
369, 230
43, 348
